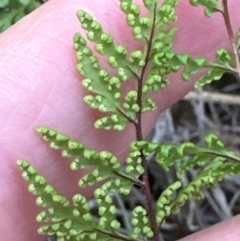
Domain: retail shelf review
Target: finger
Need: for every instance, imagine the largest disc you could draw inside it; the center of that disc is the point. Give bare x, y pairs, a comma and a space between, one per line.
224, 231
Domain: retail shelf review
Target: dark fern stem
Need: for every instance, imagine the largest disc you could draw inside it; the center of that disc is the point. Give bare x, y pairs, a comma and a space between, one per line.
139, 135
232, 38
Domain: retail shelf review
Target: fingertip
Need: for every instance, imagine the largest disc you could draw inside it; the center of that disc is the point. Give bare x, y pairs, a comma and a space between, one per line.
225, 231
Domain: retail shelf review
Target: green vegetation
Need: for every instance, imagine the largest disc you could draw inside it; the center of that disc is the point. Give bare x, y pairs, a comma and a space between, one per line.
13, 10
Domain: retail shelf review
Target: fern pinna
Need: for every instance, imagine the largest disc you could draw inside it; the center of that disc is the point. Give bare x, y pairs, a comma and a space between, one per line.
149, 67
12, 11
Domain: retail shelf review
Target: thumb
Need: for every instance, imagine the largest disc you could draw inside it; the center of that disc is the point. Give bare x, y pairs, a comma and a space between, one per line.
224, 231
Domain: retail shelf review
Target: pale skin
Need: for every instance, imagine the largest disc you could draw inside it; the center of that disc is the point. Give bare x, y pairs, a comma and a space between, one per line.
39, 86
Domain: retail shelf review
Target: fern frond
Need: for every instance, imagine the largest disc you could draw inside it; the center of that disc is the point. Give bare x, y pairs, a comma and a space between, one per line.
163, 205
72, 221
106, 88
212, 75
66, 221
105, 165
97, 80
13, 10
215, 159
223, 64
134, 164
208, 177
141, 224
192, 66
146, 71
116, 122
141, 26
166, 14
210, 6
83, 156
161, 51
168, 154
150, 5
117, 54
107, 210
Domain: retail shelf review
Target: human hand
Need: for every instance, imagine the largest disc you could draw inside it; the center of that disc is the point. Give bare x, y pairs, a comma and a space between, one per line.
39, 86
